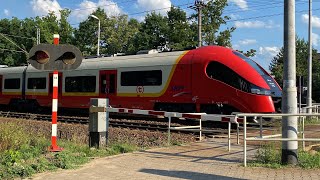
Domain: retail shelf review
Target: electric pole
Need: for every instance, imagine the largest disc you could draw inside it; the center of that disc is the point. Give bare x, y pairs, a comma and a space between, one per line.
289, 92
38, 35
309, 96
198, 5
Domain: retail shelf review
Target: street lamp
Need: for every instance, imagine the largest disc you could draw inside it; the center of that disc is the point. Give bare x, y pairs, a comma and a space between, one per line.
95, 17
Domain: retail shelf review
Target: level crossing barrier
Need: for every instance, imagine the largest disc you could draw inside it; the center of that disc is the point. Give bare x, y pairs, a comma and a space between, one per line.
269, 138
200, 116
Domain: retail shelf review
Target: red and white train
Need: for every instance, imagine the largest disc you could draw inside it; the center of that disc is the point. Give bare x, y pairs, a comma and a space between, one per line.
210, 79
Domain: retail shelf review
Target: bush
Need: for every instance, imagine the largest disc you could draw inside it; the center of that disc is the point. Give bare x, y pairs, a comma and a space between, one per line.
12, 137
267, 156
307, 160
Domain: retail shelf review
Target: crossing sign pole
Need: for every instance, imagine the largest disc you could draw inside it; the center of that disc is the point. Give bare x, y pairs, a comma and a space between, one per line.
54, 58
55, 83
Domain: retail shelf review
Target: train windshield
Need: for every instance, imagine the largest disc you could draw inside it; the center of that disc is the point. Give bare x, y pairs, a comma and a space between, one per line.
218, 71
275, 90
251, 62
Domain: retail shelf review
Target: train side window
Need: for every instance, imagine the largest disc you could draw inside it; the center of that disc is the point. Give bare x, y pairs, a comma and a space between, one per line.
13, 83
141, 78
80, 84
37, 83
218, 71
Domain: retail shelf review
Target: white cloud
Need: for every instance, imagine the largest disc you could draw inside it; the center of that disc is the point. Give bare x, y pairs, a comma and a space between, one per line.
255, 24
249, 24
247, 41
164, 5
6, 12
88, 7
315, 20
43, 7
265, 55
269, 51
241, 3
234, 16
315, 39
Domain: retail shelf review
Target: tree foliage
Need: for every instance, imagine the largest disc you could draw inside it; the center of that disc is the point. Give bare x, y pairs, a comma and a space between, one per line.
118, 34
277, 64
212, 19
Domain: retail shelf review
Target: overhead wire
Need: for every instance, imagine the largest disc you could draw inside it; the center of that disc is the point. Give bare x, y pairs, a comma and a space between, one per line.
1, 49
182, 7
13, 43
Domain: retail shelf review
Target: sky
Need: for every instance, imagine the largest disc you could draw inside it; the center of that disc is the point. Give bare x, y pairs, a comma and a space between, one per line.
259, 23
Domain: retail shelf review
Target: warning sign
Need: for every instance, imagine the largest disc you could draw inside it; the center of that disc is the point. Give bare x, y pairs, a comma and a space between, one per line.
140, 89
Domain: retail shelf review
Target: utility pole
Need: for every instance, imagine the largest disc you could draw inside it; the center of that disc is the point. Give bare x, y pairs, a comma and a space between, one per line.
289, 92
95, 17
309, 96
38, 35
198, 5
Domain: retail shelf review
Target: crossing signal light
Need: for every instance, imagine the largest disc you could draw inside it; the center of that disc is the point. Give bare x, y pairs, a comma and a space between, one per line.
42, 57
55, 57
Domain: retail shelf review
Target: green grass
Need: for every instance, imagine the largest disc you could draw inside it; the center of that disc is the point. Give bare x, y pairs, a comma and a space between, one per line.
23, 153
270, 156
311, 121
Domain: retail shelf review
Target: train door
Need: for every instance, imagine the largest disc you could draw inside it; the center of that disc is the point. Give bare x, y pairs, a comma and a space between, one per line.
108, 83
0, 85
59, 85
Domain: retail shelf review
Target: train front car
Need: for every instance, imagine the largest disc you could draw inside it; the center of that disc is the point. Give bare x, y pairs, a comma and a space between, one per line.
234, 82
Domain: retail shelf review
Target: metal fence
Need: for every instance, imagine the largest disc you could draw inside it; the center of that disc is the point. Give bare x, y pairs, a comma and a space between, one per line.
270, 138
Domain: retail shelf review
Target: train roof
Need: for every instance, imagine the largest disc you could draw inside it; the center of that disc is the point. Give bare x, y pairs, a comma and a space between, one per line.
12, 70
141, 60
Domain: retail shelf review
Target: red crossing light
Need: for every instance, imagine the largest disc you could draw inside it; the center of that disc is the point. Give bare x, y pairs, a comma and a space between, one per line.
42, 57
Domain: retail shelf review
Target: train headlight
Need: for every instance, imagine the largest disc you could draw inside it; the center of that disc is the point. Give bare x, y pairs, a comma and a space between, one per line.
255, 91
260, 91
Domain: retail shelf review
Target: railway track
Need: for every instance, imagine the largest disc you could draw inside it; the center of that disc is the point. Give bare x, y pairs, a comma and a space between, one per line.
152, 125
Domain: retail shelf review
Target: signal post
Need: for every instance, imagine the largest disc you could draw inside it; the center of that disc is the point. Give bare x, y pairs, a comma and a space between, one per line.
55, 57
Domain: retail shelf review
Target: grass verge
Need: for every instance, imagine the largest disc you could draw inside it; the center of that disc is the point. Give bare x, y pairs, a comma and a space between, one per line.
270, 156
23, 153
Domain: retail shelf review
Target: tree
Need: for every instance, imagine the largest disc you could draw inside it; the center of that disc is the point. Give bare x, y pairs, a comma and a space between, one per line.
65, 31
21, 34
86, 34
212, 20
180, 34
48, 25
153, 32
277, 63
133, 26
116, 33
12, 41
119, 33
250, 53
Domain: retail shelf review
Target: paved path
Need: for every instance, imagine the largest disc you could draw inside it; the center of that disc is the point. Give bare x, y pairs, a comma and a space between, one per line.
205, 160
